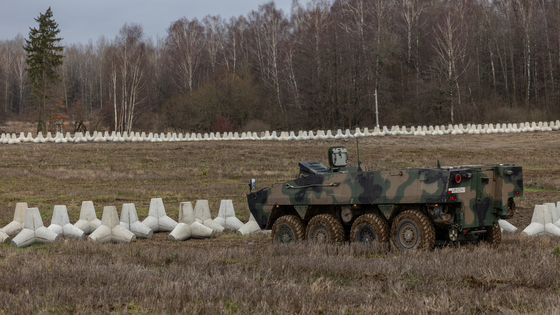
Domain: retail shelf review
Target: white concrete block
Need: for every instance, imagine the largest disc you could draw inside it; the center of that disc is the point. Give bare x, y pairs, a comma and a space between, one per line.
267, 135
339, 134
129, 220
33, 231
292, 136
14, 227
283, 136
60, 223
14, 139
110, 229
226, 209
69, 137
541, 223
199, 230
506, 226
180, 233
186, 213
88, 136
556, 215
213, 225
157, 219
99, 137
88, 221
4, 238
220, 221
40, 138
419, 131
249, 228
310, 135
202, 210
233, 223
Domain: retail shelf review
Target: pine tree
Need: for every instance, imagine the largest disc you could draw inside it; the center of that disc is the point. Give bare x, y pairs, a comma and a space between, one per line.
44, 56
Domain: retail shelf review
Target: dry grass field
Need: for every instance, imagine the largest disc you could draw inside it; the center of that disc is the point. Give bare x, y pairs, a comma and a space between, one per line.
240, 275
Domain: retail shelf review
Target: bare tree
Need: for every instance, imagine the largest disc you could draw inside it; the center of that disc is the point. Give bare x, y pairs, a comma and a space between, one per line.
235, 50
525, 11
19, 72
268, 28
450, 52
7, 57
213, 39
127, 75
185, 44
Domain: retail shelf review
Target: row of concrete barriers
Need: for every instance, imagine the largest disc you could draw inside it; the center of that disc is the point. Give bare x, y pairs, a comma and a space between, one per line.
27, 226
459, 129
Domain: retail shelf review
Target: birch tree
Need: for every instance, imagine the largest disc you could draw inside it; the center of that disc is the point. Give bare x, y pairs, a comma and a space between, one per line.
450, 51
268, 28
127, 75
185, 43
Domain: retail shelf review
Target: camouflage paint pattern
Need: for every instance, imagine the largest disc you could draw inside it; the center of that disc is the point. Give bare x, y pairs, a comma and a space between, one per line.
477, 194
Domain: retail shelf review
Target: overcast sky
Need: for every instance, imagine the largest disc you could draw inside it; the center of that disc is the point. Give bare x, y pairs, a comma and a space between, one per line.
79, 20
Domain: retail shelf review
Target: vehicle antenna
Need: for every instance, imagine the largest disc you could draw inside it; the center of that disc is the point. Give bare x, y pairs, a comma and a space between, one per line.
358, 150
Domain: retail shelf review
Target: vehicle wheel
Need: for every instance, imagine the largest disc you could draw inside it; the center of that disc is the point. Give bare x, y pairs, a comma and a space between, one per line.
370, 228
412, 230
493, 235
287, 229
325, 228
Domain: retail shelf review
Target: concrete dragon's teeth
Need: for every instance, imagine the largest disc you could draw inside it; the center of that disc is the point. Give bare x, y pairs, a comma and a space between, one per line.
33, 231
188, 226
88, 221
249, 228
129, 220
4, 238
157, 219
60, 223
14, 227
542, 221
110, 229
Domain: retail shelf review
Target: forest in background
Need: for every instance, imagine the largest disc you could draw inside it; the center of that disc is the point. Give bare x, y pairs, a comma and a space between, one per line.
325, 64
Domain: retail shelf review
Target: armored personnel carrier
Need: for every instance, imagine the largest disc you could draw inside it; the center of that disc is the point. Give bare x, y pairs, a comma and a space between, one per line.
413, 208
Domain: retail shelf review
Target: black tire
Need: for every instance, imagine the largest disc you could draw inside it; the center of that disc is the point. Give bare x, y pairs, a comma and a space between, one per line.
412, 230
493, 235
369, 228
287, 229
325, 228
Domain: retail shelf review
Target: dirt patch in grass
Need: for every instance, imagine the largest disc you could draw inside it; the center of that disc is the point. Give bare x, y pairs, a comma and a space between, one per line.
231, 274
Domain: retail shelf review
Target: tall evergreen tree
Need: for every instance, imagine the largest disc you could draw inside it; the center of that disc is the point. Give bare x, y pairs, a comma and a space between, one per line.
44, 55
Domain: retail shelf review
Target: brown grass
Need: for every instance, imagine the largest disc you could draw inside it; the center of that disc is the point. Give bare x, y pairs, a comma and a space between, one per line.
229, 275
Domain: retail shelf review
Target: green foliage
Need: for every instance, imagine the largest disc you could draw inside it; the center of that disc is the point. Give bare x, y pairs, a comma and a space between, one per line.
44, 56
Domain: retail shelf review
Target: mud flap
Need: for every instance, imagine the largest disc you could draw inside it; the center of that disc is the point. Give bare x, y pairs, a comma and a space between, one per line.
301, 210
387, 210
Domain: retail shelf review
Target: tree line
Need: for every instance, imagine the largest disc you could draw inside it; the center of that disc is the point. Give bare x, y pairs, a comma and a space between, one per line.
325, 64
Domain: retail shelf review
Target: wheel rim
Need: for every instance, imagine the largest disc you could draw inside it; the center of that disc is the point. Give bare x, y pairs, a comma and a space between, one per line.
366, 234
285, 235
408, 235
320, 234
